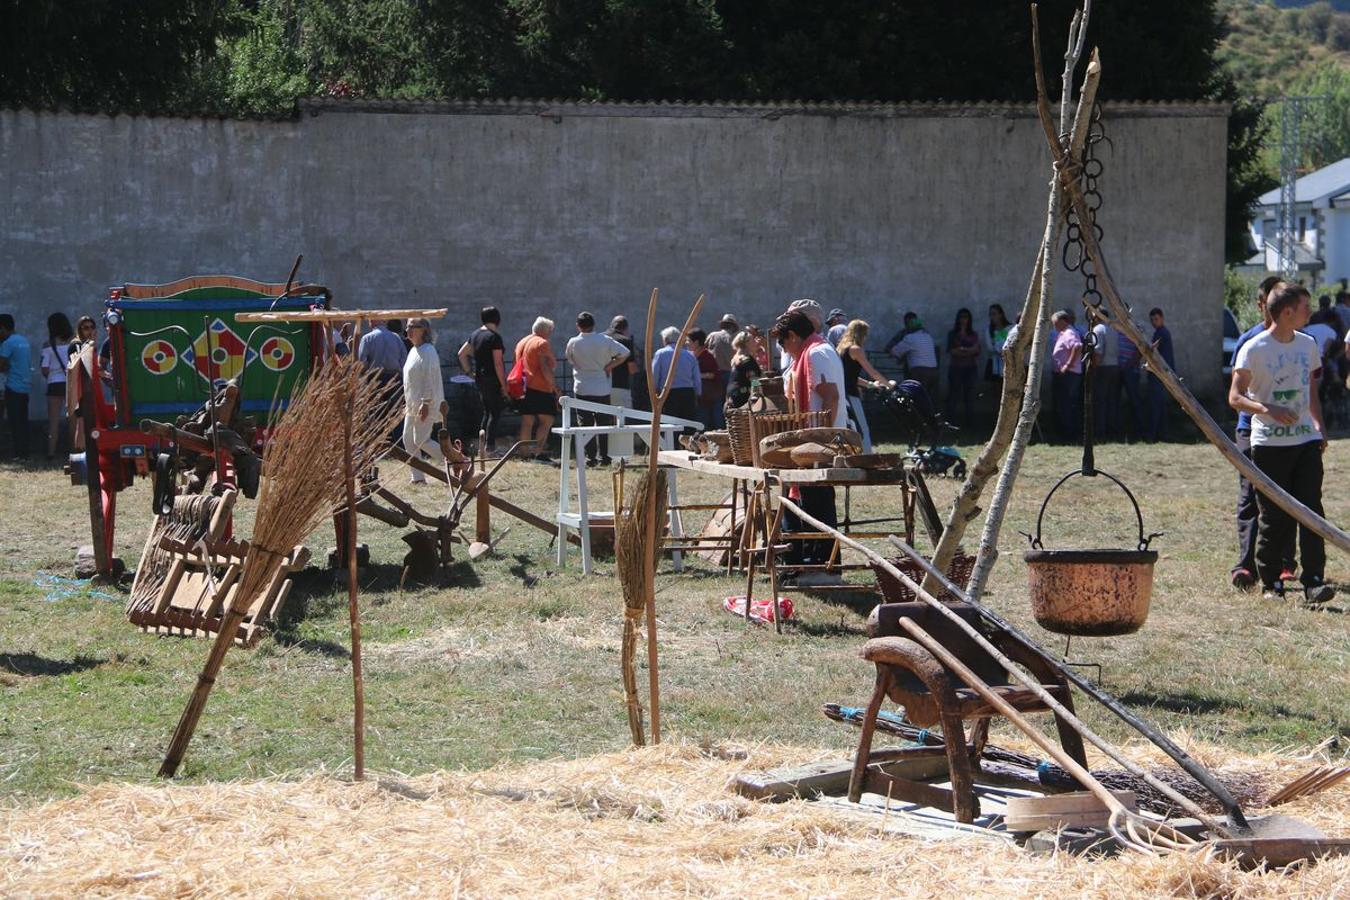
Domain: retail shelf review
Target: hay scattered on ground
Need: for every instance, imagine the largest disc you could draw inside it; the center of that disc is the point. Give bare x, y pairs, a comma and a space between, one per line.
652, 821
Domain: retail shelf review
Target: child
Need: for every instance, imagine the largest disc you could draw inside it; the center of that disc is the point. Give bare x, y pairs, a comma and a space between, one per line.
1275, 379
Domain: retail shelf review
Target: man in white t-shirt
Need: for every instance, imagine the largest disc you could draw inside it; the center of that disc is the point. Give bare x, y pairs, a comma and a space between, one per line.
1275, 380
594, 357
914, 348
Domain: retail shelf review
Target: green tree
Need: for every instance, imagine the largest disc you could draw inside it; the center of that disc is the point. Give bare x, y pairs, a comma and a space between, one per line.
1327, 130
108, 54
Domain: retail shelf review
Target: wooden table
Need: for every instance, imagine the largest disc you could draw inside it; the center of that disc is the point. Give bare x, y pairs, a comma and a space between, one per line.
762, 532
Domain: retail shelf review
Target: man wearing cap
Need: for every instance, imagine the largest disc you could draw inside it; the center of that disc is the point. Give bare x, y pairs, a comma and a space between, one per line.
621, 383
914, 347
809, 308
593, 357
837, 323
719, 345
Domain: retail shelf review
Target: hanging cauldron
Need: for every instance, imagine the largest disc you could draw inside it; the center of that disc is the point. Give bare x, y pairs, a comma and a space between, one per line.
1090, 592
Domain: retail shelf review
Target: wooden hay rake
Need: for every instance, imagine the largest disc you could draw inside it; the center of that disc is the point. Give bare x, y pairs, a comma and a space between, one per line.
189, 574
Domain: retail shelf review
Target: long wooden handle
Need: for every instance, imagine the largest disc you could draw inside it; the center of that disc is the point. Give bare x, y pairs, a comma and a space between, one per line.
1031, 684
1005, 709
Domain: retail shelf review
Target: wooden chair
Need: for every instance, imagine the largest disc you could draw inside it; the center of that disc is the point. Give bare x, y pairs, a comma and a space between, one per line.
932, 694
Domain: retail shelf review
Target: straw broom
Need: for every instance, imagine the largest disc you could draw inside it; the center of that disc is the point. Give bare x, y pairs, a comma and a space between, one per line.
301, 488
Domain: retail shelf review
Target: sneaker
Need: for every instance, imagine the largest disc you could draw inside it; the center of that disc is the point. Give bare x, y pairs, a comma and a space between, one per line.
592, 463
1318, 592
606, 461
1287, 573
1242, 578
1273, 591
542, 458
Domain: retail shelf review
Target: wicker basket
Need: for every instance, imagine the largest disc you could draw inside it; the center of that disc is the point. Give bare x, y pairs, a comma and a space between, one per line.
895, 591
764, 424
738, 429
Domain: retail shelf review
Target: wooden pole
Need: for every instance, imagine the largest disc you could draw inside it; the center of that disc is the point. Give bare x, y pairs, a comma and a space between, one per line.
353, 611
206, 679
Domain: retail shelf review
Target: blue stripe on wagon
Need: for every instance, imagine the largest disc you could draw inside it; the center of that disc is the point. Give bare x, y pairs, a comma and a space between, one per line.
233, 304
158, 409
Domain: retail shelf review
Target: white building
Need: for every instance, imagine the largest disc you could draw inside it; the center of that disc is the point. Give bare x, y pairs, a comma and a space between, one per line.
1322, 225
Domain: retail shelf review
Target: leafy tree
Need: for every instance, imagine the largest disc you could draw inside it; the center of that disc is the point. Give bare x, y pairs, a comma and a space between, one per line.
107, 54
1326, 131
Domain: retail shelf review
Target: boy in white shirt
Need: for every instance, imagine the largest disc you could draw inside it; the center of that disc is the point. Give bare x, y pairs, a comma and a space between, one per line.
1275, 380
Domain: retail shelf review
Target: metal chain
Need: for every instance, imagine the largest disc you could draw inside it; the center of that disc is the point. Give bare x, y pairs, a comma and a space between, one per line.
1075, 256
1076, 259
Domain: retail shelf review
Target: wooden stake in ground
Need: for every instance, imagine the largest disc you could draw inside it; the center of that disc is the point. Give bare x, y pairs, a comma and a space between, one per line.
353, 611
299, 491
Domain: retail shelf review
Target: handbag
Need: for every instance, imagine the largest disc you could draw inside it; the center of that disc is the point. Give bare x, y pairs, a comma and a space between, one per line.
515, 379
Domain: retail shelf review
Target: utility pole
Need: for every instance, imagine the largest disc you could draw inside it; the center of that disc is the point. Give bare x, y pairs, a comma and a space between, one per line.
1292, 112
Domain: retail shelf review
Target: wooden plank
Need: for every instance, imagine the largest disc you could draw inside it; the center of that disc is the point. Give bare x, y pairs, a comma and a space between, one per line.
682, 459
830, 776
1079, 809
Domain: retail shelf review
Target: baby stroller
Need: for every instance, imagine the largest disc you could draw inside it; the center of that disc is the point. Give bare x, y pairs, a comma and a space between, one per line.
924, 429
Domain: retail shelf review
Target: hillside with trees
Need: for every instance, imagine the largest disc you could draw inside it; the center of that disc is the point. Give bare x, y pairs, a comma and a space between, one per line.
1272, 50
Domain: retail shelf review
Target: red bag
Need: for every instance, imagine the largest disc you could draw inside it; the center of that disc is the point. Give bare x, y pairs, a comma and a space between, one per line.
515, 379
761, 610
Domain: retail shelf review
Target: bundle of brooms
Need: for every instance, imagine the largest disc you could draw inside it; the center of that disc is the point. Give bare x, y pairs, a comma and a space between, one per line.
630, 551
302, 485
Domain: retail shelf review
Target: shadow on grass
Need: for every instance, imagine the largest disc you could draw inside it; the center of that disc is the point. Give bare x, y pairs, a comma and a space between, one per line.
331, 649
32, 664
831, 629
1191, 703
520, 568
862, 601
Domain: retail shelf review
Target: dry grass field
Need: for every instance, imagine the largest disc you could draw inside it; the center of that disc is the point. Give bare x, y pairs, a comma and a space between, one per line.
496, 725
512, 659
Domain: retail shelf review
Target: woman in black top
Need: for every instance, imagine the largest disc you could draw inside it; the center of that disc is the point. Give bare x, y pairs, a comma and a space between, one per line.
854, 357
482, 356
744, 369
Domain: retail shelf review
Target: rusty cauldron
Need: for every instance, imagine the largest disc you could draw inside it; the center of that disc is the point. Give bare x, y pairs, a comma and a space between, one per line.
1091, 592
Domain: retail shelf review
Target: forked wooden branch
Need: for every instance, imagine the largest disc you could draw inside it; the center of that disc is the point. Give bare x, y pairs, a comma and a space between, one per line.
653, 448
1020, 402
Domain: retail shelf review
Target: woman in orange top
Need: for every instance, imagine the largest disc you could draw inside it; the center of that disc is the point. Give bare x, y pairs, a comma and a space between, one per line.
541, 391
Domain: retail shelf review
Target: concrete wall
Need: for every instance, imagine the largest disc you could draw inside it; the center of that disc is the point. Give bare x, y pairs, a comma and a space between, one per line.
548, 209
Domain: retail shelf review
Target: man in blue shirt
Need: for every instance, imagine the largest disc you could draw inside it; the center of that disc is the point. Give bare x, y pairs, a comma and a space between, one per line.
15, 362
1157, 403
382, 349
684, 388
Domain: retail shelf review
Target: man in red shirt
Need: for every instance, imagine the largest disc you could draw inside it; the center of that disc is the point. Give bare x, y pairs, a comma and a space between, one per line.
710, 411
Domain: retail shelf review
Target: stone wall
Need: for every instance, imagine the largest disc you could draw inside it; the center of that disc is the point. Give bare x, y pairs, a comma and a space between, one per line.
550, 208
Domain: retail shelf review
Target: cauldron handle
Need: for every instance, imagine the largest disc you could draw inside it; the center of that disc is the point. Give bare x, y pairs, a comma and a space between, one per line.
1139, 517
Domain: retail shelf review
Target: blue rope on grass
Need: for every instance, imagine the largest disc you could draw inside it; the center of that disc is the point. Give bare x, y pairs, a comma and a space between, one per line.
58, 587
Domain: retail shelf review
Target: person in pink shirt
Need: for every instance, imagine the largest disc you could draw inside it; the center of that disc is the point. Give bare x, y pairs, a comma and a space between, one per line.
1067, 382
